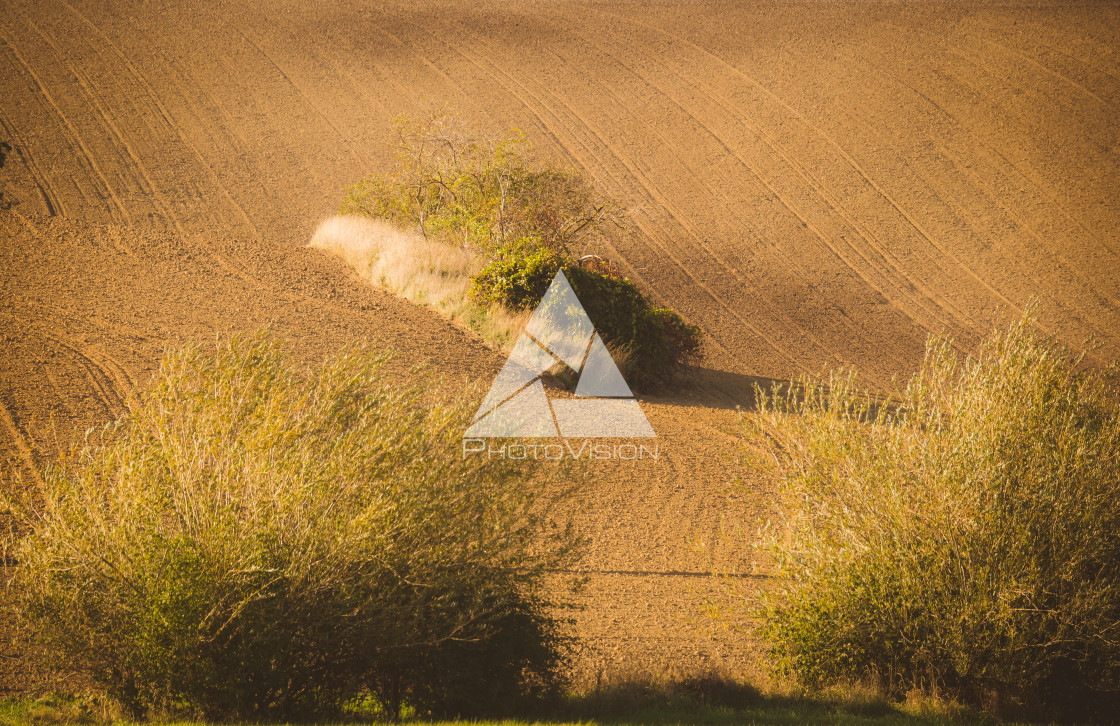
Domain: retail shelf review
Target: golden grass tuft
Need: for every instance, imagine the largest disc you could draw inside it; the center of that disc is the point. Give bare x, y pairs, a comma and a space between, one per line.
422, 270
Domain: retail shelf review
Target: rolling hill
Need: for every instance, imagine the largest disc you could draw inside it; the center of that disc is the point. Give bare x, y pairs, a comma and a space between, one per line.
814, 184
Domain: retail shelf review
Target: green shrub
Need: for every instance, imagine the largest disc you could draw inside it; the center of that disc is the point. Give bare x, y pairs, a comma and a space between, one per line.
656, 340
254, 540
965, 538
516, 278
650, 341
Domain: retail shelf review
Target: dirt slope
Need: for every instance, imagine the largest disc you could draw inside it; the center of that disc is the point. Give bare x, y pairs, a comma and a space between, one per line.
815, 184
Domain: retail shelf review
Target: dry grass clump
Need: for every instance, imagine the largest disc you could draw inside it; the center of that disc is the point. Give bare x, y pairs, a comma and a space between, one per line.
417, 268
256, 540
965, 541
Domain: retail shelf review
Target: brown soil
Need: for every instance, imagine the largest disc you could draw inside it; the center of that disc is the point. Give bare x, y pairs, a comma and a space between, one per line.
815, 185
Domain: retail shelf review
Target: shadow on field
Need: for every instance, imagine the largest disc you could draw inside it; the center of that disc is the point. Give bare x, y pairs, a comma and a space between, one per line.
717, 700
698, 386
709, 699
712, 388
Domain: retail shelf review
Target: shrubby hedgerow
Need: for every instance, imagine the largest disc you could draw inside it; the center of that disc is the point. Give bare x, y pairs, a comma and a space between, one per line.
963, 539
526, 220
257, 540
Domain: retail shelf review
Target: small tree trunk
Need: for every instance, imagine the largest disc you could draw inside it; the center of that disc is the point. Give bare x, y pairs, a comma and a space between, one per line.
504, 185
391, 697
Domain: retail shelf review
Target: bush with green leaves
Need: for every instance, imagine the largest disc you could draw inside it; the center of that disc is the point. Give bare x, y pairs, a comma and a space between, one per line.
653, 341
482, 193
517, 277
963, 538
258, 540
649, 342
527, 220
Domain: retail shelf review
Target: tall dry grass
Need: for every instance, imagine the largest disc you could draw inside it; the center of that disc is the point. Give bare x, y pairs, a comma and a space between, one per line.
255, 540
965, 540
425, 271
